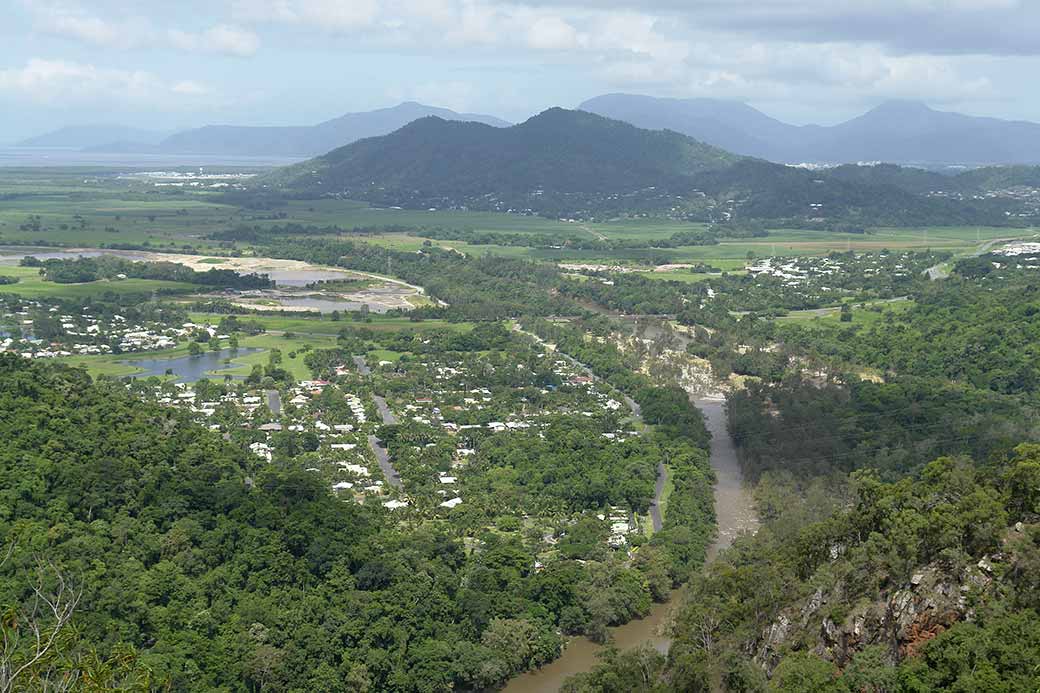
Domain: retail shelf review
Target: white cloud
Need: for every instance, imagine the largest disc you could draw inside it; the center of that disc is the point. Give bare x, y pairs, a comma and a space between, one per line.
331, 15
190, 88
76, 23
138, 32
69, 82
223, 39
553, 34
801, 51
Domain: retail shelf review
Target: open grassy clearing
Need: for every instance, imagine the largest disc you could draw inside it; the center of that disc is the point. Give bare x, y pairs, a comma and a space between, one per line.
266, 342
327, 326
830, 318
666, 493
78, 208
377, 355
113, 364
90, 220
685, 276
349, 214
729, 254
306, 332
123, 364
31, 285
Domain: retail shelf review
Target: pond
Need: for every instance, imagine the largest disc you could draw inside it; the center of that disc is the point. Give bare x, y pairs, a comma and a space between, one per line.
327, 305
303, 277
12, 255
188, 369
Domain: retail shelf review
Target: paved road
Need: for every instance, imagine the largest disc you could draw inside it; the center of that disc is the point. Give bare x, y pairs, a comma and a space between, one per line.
632, 405
655, 505
274, 401
384, 411
376, 445
940, 271
362, 366
637, 412
383, 458
595, 234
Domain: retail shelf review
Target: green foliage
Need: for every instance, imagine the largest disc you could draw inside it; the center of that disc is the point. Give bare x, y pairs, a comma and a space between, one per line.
570, 164
89, 269
947, 519
976, 332
807, 429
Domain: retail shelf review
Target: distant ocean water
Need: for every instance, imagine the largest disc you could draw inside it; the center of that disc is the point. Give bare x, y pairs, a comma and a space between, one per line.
53, 156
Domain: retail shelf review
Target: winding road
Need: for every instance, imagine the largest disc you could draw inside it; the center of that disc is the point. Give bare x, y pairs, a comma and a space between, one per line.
942, 270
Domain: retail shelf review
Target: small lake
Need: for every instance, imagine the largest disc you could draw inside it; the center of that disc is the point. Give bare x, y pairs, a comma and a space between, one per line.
327, 305
289, 277
13, 254
188, 369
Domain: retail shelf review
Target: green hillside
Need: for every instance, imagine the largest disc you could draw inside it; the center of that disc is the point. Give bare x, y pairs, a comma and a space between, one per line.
572, 164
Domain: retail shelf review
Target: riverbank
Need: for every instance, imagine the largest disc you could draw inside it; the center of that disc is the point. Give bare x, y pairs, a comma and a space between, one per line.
735, 514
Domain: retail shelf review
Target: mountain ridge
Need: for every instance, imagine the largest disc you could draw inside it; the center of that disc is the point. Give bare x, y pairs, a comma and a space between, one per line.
572, 151
898, 131
579, 165
92, 135
308, 140
251, 140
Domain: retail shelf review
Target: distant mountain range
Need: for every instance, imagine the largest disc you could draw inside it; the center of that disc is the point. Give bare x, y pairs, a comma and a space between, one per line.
286, 141
575, 164
85, 136
901, 132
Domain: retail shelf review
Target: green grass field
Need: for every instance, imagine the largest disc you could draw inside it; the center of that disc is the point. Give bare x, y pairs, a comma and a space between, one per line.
122, 365
687, 277
830, 318
317, 334
377, 355
31, 285
326, 326
90, 208
295, 365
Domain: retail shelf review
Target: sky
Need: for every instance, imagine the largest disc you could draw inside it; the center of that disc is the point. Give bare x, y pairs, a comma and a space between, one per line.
172, 64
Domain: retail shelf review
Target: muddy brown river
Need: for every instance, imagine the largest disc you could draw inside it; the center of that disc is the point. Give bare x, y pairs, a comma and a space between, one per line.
735, 514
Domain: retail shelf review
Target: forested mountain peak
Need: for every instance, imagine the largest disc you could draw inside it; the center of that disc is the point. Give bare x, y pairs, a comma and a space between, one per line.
556, 152
579, 165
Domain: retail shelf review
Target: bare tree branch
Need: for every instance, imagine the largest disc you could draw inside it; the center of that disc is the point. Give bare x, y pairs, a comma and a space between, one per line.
32, 632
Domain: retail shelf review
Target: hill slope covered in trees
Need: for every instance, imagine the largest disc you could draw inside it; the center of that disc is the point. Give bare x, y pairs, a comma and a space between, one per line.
573, 164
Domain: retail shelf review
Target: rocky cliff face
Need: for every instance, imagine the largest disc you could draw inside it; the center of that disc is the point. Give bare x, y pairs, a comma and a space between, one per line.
902, 619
